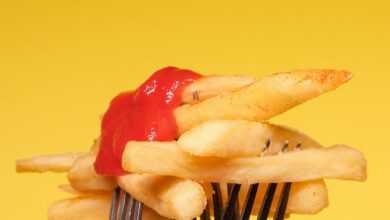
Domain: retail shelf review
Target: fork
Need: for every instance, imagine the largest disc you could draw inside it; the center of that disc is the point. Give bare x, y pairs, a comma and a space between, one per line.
125, 207
232, 212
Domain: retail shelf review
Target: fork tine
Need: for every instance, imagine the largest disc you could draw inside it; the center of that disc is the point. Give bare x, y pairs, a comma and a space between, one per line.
217, 200
126, 199
121, 205
129, 207
114, 203
248, 205
282, 205
267, 202
236, 212
229, 213
137, 207
206, 213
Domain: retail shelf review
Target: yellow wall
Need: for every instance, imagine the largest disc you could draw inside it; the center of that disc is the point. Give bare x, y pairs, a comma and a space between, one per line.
62, 61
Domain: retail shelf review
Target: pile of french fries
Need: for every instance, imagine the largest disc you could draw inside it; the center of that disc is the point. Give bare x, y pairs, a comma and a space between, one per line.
224, 138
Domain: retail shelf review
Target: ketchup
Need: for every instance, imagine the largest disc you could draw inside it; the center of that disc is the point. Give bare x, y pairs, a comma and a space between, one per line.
145, 114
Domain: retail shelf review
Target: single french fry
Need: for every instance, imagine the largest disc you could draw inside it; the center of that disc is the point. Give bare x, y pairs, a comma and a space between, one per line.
82, 176
47, 163
81, 208
339, 162
171, 197
69, 189
305, 198
211, 86
263, 99
238, 138
92, 207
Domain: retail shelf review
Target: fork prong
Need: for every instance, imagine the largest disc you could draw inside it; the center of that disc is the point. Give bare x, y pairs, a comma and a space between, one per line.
137, 210
236, 212
129, 207
282, 205
267, 202
217, 200
114, 203
229, 212
248, 205
121, 205
206, 213
126, 206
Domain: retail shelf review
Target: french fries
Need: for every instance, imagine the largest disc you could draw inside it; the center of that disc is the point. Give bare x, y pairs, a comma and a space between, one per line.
47, 163
146, 188
263, 99
223, 138
171, 197
338, 162
238, 138
82, 176
211, 86
94, 207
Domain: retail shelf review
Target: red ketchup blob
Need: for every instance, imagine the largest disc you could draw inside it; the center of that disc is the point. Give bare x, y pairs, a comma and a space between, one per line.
145, 114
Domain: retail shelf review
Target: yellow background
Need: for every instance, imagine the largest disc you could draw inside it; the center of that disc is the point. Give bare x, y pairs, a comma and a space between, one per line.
62, 61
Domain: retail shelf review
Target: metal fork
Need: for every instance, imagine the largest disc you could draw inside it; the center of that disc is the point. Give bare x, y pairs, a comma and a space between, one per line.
232, 212
124, 207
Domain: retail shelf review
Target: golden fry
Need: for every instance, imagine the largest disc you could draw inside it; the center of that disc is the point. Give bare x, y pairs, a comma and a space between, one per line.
338, 162
69, 189
238, 138
47, 163
211, 86
82, 176
263, 99
94, 207
81, 208
171, 197
308, 197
